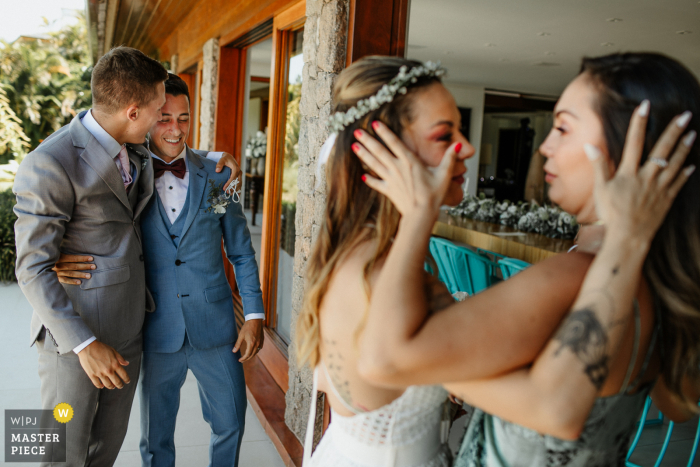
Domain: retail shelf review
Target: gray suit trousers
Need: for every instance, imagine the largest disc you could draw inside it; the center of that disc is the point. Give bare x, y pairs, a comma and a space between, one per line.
95, 437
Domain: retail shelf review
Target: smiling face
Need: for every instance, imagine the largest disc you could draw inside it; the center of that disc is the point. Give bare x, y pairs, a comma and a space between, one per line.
568, 171
169, 134
434, 128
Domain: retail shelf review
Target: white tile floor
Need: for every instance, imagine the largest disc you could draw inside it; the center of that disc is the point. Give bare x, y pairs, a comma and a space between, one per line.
19, 389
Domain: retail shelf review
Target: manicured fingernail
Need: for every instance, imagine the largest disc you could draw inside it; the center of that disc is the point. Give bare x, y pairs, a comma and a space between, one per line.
93, 266
358, 134
355, 147
458, 147
684, 118
364, 178
375, 125
689, 170
690, 138
87, 276
592, 152
90, 258
643, 110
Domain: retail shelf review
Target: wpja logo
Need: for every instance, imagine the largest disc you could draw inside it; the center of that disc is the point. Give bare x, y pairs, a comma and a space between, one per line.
37, 435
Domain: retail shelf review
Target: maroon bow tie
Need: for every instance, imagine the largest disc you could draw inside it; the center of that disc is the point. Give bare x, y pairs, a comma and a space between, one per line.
177, 168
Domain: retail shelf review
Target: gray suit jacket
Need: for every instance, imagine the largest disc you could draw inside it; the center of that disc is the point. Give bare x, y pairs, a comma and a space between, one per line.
71, 199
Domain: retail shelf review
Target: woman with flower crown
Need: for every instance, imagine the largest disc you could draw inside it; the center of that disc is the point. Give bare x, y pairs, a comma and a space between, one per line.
369, 305
371, 425
560, 358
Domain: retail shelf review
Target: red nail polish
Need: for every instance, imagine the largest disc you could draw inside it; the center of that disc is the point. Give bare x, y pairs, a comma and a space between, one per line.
358, 134
355, 147
364, 178
375, 125
458, 147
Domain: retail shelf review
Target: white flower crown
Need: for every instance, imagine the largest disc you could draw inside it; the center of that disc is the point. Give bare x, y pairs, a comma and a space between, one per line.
398, 84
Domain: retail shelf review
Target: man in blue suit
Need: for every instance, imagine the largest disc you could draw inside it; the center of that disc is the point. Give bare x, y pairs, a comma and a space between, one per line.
194, 326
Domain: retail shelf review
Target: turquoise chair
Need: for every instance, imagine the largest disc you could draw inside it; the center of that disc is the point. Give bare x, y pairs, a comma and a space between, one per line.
490, 254
643, 422
511, 266
460, 268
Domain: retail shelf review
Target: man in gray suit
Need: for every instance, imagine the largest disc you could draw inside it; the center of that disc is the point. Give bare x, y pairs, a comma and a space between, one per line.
83, 190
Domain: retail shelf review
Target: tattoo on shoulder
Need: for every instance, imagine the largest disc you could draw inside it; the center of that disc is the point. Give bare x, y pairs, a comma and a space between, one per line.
587, 338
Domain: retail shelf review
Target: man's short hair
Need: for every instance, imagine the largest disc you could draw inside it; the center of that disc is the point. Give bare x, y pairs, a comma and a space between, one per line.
176, 86
125, 76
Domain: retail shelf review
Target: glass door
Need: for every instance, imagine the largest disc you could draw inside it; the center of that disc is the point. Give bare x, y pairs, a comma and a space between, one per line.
290, 169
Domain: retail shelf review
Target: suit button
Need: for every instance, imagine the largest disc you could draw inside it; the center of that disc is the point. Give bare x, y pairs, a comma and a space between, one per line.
178, 262
140, 257
172, 237
178, 295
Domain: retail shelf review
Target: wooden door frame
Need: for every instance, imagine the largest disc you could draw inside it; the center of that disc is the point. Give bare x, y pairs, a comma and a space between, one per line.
377, 27
228, 129
284, 24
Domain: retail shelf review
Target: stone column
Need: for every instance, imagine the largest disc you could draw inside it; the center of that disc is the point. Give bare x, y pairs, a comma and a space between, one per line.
207, 108
325, 43
174, 64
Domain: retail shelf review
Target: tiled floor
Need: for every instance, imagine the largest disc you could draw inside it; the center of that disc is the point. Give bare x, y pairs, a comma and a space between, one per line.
19, 389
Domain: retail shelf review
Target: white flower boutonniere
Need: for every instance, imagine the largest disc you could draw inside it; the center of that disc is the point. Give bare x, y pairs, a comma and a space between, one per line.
219, 198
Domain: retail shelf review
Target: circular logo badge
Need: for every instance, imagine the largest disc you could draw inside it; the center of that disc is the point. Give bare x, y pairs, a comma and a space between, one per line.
63, 413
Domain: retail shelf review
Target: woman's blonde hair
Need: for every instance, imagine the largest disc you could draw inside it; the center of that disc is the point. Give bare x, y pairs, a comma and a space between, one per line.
352, 206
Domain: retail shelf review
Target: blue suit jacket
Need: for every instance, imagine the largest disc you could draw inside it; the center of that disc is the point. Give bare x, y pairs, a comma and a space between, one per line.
188, 282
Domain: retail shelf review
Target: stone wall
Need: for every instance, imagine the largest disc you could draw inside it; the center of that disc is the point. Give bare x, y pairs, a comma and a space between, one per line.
325, 42
207, 108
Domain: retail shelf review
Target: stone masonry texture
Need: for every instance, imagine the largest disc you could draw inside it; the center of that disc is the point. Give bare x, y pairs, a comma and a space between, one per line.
207, 110
325, 43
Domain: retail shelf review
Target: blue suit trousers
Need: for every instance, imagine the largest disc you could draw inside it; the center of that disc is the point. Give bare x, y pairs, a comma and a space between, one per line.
222, 394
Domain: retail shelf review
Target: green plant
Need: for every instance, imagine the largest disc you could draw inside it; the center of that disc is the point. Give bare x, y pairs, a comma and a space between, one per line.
46, 82
8, 253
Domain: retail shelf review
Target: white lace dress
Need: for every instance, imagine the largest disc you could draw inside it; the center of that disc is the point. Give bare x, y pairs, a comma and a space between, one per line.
408, 432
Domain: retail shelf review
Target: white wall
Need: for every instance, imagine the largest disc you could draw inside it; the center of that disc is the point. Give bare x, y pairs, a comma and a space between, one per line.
472, 97
254, 109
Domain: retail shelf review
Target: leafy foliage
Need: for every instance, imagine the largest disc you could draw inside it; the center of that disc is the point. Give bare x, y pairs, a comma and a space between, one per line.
47, 82
13, 141
8, 255
546, 220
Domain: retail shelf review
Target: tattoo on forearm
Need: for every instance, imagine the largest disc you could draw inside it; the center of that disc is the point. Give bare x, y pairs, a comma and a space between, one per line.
587, 338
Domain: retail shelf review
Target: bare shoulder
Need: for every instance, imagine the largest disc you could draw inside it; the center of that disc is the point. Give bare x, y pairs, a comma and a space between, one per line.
346, 298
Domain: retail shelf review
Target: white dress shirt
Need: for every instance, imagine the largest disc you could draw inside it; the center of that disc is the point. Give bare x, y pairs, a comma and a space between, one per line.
112, 148
173, 193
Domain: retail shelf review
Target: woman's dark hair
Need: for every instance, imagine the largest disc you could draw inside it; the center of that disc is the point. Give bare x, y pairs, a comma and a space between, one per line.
672, 266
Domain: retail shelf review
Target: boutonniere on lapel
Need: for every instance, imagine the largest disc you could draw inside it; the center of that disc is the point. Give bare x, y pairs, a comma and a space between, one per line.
218, 199
144, 157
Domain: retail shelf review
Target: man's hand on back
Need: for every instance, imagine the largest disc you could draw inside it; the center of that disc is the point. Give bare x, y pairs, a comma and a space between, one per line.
71, 268
104, 366
229, 161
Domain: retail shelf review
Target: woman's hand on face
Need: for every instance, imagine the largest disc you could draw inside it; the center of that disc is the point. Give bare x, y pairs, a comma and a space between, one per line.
402, 176
635, 201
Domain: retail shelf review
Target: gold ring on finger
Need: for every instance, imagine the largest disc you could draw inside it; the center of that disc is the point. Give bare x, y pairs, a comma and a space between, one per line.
663, 163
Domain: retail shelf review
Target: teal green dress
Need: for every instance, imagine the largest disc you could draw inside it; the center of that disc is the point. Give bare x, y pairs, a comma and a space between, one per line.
493, 442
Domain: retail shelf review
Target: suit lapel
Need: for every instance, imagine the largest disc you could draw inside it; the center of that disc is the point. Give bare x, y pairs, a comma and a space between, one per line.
198, 183
97, 158
145, 181
157, 211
